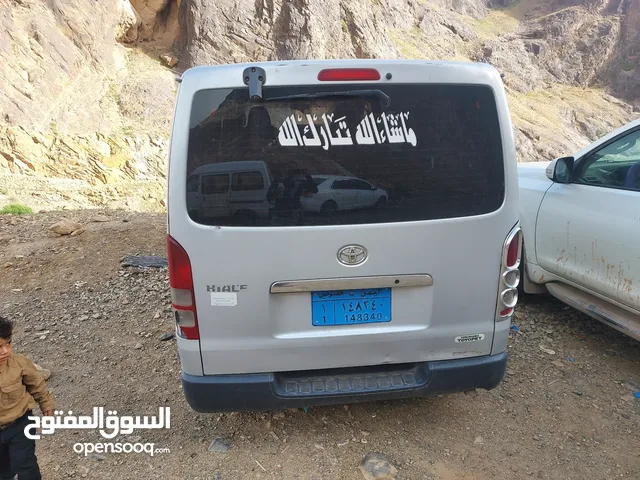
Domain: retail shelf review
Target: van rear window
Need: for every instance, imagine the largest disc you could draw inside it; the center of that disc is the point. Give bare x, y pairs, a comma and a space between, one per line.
344, 154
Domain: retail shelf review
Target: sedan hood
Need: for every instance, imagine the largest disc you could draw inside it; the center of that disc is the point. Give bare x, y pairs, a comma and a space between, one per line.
533, 171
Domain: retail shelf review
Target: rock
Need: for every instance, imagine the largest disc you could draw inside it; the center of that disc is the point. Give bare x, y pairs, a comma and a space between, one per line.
220, 445
46, 373
75, 233
128, 23
166, 336
100, 219
97, 456
138, 346
376, 466
65, 227
479, 441
169, 60
8, 265
547, 350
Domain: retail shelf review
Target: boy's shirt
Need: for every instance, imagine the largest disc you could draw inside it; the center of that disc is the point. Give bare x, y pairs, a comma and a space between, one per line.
21, 386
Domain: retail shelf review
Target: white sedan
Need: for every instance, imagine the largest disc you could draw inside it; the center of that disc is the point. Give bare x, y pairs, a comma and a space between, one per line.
342, 193
580, 216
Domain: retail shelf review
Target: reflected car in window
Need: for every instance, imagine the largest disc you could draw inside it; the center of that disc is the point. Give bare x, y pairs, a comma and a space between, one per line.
339, 193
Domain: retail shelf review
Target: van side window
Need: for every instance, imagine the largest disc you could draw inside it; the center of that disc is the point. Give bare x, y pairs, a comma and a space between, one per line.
215, 184
246, 181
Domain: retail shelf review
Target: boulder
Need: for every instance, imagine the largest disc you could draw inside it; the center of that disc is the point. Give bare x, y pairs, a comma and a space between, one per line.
170, 61
376, 466
65, 227
128, 23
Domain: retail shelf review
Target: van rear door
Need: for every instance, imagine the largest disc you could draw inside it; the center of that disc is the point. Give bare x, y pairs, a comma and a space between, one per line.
405, 282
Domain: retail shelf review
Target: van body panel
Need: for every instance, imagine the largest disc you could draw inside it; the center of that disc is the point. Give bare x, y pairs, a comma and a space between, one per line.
190, 358
501, 337
425, 320
261, 332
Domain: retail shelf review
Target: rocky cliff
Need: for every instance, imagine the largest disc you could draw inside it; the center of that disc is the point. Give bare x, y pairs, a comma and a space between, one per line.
88, 85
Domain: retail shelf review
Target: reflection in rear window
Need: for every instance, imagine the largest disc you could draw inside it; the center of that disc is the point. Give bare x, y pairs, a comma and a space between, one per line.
434, 152
244, 181
319, 180
215, 184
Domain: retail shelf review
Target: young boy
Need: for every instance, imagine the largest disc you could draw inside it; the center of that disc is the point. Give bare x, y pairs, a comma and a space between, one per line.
21, 386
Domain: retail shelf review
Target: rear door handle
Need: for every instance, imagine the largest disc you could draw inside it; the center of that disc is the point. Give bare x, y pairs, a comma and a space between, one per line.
351, 283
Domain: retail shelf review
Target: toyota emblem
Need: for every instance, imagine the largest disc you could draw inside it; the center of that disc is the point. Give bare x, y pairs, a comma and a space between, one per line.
352, 255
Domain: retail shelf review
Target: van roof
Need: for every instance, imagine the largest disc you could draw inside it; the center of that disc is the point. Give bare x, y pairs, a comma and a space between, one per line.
230, 167
478, 72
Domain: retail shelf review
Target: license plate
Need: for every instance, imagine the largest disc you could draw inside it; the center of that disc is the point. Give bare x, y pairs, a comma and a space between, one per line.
351, 307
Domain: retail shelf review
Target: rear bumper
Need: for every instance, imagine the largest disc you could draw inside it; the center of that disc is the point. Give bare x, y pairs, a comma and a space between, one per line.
266, 391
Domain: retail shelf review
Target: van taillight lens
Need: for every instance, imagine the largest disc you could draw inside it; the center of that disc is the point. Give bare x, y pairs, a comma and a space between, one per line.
348, 74
513, 250
182, 294
509, 274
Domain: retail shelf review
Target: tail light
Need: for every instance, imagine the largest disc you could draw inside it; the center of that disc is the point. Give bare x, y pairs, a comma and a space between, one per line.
509, 274
348, 74
182, 294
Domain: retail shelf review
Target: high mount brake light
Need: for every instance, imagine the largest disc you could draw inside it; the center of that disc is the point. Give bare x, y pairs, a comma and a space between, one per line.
348, 74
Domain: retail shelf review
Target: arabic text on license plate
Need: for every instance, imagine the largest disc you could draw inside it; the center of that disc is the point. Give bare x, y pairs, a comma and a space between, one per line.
351, 307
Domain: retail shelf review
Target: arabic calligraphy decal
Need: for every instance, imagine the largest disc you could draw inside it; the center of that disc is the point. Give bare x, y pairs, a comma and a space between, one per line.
386, 128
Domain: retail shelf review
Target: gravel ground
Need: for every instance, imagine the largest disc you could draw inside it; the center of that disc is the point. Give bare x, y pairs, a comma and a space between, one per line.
564, 411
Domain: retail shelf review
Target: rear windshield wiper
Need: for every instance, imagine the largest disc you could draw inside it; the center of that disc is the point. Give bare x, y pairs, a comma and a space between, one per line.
382, 97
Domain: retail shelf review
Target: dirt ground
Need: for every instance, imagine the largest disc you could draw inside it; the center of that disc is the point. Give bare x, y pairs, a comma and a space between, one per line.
564, 413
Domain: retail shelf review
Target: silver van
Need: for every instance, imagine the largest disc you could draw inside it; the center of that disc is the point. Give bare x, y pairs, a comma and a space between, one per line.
405, 297
229, 189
